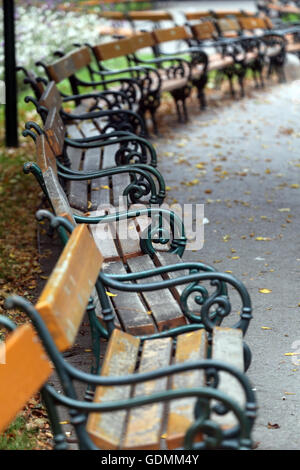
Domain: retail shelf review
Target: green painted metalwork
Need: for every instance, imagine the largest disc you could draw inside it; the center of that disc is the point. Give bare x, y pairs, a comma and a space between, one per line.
209, 398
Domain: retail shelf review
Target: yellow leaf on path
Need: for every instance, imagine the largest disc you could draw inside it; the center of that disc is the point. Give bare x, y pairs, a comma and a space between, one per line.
89, 205
104, 186
263, 239
265, 291
295, 186
284, 209
265, 328
292, 354
235, 257
168, 188
111, 295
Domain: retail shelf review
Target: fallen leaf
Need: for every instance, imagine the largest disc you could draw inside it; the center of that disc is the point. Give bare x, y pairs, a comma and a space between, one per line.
265, 291
110, 294
273, 426
263, 239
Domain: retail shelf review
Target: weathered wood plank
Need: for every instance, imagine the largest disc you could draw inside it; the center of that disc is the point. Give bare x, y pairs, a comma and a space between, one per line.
190, 347
24, 368
145, 423
57, 195
65, 296
105, 238
106, 429
128, 237
166, 259
131, 311
162, 304
77, 190
99, 188
227, 346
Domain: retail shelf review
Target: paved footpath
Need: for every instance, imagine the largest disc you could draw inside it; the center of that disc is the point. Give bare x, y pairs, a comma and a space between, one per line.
249, 183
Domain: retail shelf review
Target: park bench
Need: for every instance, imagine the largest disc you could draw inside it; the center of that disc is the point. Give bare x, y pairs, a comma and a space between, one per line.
131, 239
228, 57
125, 235
109, 109
138, 88
167, 75
197, 65
273, 41
97, 180
212, 404
91, 127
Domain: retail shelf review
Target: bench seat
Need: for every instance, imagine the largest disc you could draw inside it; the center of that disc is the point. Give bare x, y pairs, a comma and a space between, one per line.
161, 426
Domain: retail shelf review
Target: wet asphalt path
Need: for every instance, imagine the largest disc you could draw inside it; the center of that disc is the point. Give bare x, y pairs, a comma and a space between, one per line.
249, 182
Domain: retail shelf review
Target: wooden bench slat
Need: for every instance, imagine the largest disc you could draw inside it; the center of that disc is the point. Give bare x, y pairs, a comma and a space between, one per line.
77, 189
24, 368
190, 347
163, 306
109, 152
166, 259
127, 235
64, 298
131, 311
227, 347
145, 423
55, 130
57, 195
105, 239
119, 183
106, 429
99, 188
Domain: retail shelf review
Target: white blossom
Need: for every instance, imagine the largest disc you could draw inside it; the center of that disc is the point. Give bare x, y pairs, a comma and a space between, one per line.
42, 31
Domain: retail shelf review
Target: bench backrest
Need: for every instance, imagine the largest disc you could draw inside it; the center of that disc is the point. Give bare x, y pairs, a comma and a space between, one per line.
228, 26
197, 15
142, 40
55, 131
113, 49
154, 16
46, 160
24, 368
231, 13
69, 64
171, 34
64, 299
252, 23
51, 97
203, 31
